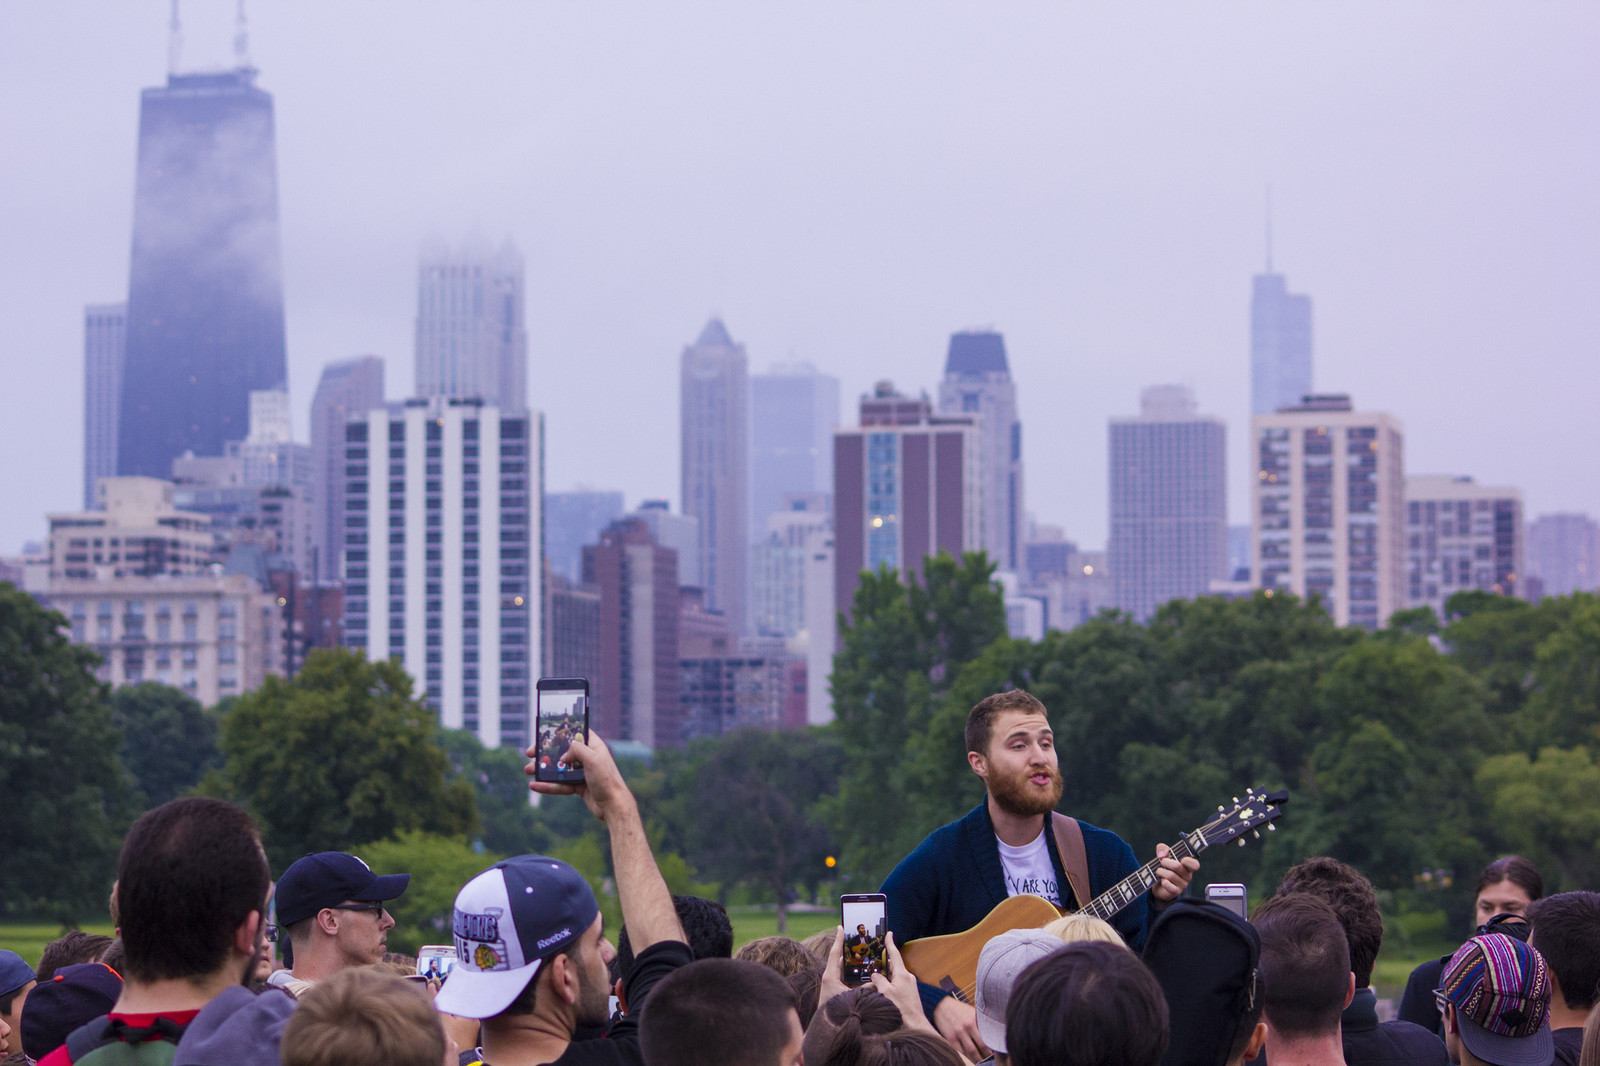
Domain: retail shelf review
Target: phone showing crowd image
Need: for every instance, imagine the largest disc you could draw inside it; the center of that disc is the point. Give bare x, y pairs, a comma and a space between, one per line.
863, 918
435, 961
1232, 897
561, 716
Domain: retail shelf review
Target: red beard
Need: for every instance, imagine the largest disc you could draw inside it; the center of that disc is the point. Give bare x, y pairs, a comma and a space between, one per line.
1015, 794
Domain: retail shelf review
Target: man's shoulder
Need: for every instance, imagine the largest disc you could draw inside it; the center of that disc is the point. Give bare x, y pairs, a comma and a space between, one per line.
938, 845
1393, 1043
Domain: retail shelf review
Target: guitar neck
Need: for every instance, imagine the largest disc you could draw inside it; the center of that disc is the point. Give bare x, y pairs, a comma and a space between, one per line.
1142, 880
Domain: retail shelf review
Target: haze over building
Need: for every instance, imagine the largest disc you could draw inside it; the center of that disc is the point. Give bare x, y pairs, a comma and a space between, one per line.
1280, 344
105, 338
1169, 501
472, 340
977, 381
794, 410
347, 387
714, 412
1564, 553
205, 320
1461, 536
572, 520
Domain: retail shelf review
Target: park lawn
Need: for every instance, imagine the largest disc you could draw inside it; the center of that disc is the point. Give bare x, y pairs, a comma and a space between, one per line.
753, 923
29, 939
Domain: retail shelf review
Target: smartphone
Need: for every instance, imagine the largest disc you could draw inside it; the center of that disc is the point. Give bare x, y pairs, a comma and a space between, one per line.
561, 716
1232, 897
435, 961
863, 918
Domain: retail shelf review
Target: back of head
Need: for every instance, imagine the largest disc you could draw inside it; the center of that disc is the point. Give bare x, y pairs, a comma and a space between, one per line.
1080, 928
705, 926
807, 985
846, 1024
363, 1017
903, 1048
718, 1012
779, 953
71, 949
1089, 1004
1354, 902
190, 873
1566, 931
1206, 959
1305, 964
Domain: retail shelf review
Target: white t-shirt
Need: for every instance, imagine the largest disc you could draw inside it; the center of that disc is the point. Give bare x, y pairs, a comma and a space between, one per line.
1029, 869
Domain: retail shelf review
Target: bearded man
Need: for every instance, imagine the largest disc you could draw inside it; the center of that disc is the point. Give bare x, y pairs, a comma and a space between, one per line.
1007, 847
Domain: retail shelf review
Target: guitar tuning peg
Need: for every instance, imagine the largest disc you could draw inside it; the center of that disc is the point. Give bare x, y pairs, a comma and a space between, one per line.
1220, 808
1243, 842
1272, 827
1256, 833
1236, 799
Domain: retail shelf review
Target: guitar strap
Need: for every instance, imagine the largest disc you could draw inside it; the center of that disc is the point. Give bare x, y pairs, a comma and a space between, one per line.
1074, 859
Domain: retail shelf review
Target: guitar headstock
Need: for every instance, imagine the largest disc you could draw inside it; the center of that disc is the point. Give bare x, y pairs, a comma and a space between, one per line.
1255, 809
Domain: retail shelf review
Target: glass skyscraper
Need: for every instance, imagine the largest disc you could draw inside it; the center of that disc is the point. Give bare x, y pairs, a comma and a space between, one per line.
205, 287
1280, 345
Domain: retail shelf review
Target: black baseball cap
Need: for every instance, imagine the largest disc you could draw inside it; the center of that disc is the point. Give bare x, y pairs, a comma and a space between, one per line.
327, 879
75, 996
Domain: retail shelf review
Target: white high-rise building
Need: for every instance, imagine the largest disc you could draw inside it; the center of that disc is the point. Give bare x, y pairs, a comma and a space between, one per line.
105, 339
441, 556
782, 561
1461, 536
1328, 510
472, 338
977, 382
715, 440
1169, 501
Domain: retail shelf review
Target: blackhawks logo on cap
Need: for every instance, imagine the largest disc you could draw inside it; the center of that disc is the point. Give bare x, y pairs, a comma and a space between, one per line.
485, 957
478, 939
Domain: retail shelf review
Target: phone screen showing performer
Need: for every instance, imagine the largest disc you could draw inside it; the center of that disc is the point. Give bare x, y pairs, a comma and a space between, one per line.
1232, 897
562, 717
864, 925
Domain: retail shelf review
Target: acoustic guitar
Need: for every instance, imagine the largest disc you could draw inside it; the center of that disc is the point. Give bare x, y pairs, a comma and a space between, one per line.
951, 962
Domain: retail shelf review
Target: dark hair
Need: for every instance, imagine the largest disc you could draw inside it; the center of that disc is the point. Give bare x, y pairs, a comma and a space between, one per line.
1305, 963
1089, 1004
717, 1012
783, 954
190, 873
69, 950
807, 985
866, 1008
1354, 902
1514, 868
1566, 931
705, 926
1247, 1019
980, 720
10, 998
902, 1048
116, 956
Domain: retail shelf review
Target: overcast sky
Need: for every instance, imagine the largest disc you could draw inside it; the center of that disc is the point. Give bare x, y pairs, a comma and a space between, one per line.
847, 184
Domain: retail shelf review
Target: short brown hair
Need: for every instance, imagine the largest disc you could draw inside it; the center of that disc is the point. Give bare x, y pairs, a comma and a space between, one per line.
71, 949
980, 720
1305, 964
363, 1016
1354, 902
783, 954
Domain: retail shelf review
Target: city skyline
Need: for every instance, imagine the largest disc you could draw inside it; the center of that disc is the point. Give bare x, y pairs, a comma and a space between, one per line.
1347, 233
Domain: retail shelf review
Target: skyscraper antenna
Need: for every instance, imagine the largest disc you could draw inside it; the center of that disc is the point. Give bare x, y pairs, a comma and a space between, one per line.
174, 40
1269, 220
241, 39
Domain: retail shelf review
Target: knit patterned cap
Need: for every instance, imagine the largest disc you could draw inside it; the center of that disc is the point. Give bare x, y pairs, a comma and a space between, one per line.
1500, 988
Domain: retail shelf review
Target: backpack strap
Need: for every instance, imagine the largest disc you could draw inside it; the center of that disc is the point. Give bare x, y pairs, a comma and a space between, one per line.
87, 1037
1074, 859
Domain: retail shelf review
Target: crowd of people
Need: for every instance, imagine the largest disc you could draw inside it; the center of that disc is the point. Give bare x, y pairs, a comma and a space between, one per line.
215, 964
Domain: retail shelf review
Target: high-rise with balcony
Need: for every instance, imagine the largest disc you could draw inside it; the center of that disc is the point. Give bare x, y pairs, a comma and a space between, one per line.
1169, 501
472, 340
1461, 536
442, 556
907, 485
1328, 507
205, 291
977, 382
714, 395
105, 336
347, 387
1280, 344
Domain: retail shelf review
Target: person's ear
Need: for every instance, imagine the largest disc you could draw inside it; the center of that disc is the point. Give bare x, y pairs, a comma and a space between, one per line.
1451, 1025
327, 920
244, 937
979, 763
564, 977
622, 1001
1350, 989
1258, 1040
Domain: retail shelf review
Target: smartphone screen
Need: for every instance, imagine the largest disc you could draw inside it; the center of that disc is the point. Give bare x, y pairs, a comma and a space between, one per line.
1232, 897
435, 961
864, 925
562, 716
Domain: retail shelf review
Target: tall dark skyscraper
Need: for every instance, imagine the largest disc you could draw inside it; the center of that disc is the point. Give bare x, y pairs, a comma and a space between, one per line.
205, 286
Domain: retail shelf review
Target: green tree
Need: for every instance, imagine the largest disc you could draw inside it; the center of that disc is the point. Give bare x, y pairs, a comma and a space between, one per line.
510, 824
439, 866
1563, 706
1548, 809
901, 651
338, 756
169, 741
68, 798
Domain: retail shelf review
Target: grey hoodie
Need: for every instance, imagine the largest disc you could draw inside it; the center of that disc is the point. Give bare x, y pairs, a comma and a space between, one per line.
238, 1028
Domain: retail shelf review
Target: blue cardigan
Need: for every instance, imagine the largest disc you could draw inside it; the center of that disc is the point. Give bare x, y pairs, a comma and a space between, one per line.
954, 878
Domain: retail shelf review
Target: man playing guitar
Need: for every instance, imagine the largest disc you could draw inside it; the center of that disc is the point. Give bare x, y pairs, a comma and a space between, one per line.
1004, 848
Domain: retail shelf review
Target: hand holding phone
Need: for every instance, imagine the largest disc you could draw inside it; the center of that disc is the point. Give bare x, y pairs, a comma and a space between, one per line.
561, 717
864, 921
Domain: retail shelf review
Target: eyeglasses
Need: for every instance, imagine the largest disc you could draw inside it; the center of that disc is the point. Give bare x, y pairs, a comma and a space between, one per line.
1440, 1000
375, 909
273, 932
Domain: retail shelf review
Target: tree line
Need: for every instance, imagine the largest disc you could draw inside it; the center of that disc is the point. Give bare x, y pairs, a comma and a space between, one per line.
1417, 752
